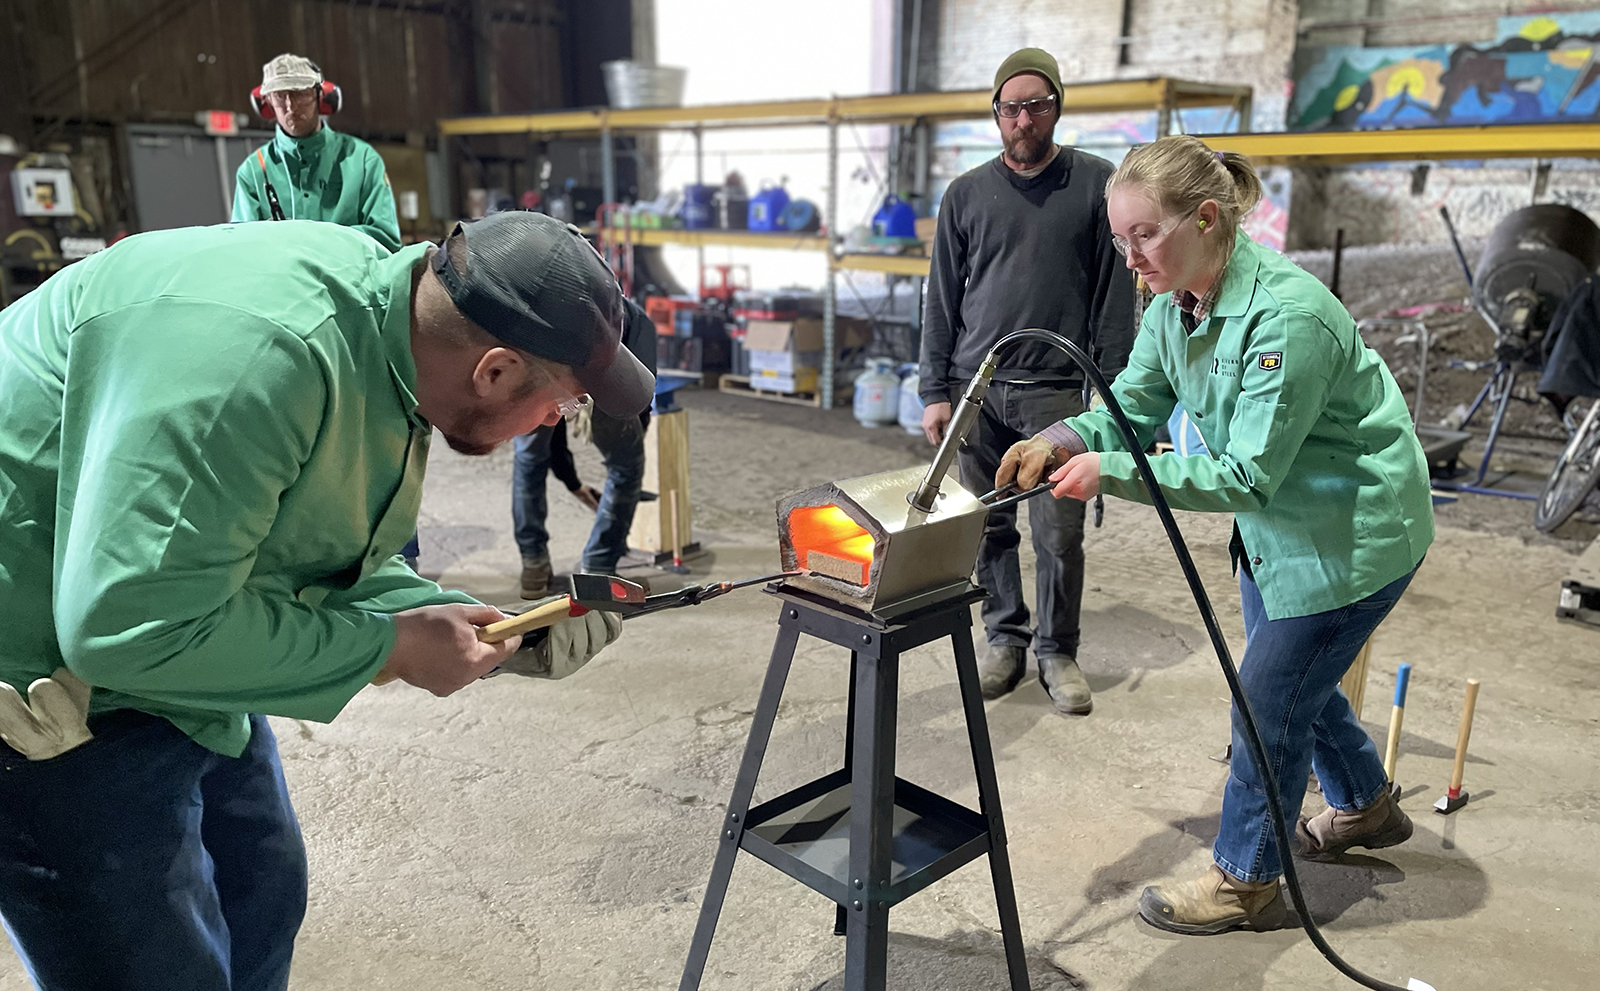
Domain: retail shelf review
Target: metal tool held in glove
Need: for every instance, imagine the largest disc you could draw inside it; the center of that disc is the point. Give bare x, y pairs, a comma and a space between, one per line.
611, 594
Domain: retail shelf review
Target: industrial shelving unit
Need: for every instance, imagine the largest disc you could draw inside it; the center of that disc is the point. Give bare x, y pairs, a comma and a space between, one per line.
1413, 144
1162, 95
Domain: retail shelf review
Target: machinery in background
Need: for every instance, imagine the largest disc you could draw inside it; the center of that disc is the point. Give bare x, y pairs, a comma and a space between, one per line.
1579, 601
44, 223
1535, 258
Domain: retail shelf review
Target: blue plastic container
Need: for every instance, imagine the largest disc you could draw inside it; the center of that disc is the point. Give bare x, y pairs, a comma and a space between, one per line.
766, 208
896, 218
699, 213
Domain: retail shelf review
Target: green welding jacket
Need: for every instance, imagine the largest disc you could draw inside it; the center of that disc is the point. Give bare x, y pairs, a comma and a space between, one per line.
328, 176
1311, 444
211, 458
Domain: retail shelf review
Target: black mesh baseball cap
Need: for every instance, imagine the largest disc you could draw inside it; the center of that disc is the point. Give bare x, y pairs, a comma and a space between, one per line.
535, 283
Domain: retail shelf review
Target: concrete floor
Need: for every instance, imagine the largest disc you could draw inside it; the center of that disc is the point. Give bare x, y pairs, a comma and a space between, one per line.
529, 835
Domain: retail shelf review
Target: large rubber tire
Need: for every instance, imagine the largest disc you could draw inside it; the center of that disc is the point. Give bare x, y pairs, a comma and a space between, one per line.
1571, 482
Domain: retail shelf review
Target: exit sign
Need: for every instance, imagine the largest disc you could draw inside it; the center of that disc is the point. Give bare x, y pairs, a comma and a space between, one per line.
221, 123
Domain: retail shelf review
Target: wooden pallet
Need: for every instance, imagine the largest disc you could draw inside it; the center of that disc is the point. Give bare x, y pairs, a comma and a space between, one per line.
740, 385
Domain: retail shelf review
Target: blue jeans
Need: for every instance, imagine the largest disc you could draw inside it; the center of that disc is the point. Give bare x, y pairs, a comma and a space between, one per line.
1290, 672
142, 860
621, 444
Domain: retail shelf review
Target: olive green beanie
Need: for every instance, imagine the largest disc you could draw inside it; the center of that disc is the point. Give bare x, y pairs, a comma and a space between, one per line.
1035, 60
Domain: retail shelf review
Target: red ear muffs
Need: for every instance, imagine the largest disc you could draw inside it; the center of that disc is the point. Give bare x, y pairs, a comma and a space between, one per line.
330, 99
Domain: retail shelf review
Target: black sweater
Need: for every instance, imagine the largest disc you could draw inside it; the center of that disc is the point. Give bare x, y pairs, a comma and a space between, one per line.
1012, 253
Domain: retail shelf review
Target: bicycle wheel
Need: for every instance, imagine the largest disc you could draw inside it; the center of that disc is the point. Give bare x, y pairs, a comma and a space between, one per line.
1575, 476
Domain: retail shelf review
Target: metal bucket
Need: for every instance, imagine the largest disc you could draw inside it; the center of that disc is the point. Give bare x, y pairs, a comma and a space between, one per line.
630, 85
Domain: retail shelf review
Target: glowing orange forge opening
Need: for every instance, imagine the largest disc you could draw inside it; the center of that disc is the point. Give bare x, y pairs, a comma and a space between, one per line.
827, 541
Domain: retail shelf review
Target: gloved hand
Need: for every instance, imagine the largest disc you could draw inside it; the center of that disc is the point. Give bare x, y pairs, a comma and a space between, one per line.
572, 642
53, 720
1026, 463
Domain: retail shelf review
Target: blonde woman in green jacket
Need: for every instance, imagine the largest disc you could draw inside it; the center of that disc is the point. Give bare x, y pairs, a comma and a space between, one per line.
1313, 453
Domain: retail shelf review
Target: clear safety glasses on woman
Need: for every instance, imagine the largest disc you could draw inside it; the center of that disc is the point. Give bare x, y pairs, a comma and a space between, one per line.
1145, 239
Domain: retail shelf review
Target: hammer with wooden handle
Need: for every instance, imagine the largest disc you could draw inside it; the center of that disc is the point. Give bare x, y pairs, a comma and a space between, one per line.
1454, 798
540, 617
1396, 717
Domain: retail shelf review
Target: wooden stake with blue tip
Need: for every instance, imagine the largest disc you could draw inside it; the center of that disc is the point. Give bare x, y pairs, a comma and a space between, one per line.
1396, 716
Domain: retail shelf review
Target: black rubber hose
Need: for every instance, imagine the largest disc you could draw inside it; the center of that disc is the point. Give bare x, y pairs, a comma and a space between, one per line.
1258, 750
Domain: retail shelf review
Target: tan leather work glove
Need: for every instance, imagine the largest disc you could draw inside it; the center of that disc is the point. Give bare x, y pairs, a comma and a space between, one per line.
53, 720
1027, 463
571, 644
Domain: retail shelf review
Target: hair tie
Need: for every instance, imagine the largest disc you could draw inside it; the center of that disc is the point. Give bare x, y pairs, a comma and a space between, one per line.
1221, 159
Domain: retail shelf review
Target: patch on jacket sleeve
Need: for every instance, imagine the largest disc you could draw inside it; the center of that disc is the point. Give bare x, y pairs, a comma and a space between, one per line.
1270, 361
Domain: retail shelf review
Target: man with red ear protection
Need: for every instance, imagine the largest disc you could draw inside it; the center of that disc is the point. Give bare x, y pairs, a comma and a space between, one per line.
310, 171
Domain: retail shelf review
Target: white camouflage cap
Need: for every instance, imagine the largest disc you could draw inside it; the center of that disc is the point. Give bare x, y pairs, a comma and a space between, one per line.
289, 72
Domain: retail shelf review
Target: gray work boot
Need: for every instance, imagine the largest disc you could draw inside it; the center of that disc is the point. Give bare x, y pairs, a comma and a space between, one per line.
535, 577
1065, 684
1330, 834
1001, 669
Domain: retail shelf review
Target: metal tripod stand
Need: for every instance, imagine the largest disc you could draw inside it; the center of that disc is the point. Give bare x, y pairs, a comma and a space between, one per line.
862, 836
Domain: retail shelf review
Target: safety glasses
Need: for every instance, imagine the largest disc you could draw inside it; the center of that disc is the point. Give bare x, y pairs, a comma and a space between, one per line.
1142, 241
1035, 108
572, 405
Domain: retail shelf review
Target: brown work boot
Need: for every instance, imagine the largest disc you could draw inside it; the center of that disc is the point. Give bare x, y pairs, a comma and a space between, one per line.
536, 573
1333, 832
1066, 685
1215, 902
1000, 669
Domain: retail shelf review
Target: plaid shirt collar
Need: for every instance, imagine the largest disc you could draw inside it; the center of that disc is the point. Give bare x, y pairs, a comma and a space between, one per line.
1195, 309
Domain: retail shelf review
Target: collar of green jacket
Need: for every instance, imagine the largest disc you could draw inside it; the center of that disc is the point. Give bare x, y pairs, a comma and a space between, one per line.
394, 303
1238, 278
306, 149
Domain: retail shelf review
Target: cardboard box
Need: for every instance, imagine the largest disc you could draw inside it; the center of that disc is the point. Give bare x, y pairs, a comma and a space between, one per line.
805, 334
926, 227
783, 362
803, 380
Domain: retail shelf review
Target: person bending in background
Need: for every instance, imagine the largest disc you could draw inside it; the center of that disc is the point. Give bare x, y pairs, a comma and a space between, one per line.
1022, 242
621, 444
1316, 458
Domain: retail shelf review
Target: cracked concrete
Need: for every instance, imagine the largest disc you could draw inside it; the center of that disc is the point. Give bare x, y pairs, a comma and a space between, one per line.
529, 835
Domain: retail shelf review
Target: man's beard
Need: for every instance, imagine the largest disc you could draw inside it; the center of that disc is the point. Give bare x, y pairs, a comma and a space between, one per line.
461, 445
1027, 150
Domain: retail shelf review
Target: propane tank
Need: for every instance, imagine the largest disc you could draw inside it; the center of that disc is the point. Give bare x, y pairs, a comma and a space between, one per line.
877, 399
910, 400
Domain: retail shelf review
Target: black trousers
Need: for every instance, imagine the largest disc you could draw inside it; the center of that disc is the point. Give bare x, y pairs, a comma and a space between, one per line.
1016, 411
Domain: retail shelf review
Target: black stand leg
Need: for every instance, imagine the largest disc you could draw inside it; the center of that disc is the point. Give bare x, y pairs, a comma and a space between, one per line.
1005, 895
744, 788
840, 917
877, 689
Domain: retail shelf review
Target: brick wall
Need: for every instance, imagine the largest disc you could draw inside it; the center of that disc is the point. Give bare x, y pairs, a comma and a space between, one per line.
1250, 41
1255, 42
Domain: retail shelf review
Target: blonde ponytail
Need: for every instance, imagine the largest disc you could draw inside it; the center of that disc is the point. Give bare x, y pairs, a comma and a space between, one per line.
1182, 172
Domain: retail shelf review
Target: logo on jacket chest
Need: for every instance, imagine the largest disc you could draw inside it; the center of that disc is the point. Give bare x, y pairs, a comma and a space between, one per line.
1227, 367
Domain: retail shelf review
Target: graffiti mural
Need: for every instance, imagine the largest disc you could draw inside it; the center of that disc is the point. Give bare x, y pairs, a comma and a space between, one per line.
1539, 69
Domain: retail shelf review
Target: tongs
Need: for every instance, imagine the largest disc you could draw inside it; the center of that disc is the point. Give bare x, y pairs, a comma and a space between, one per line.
611, 594
1010, 495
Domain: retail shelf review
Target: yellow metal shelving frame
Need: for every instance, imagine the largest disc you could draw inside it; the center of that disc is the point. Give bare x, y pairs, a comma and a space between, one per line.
1414, 144
1162, 95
